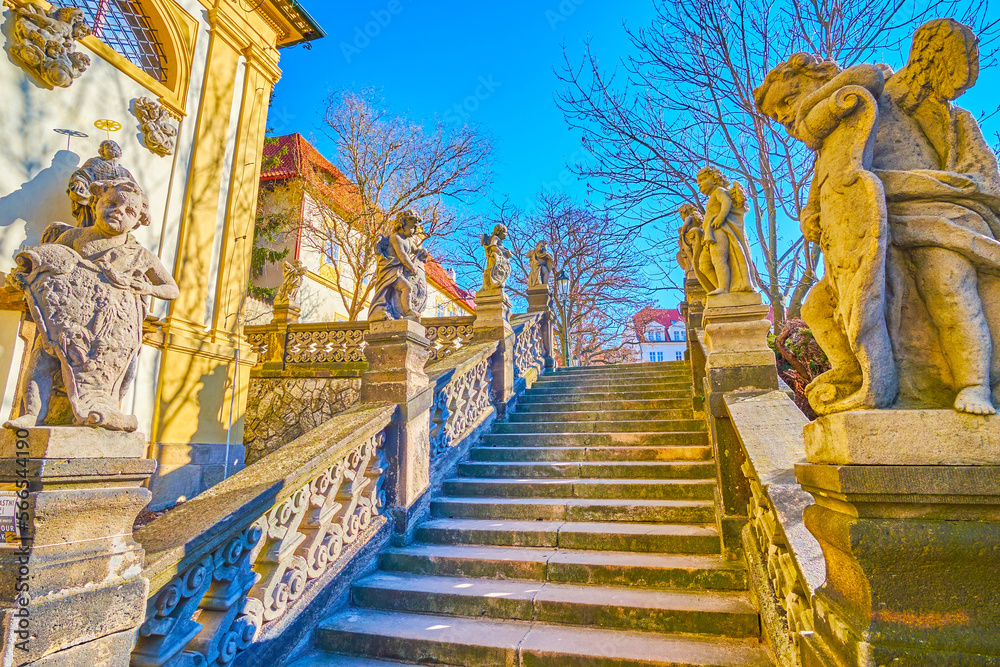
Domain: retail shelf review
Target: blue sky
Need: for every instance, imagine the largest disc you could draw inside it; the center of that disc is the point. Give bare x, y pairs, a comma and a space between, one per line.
489, 64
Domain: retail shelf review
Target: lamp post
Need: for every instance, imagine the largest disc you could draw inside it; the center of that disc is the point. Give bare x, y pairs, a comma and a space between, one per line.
562, 283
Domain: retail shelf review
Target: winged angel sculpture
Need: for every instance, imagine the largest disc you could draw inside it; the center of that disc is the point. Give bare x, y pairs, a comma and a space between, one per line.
905, 204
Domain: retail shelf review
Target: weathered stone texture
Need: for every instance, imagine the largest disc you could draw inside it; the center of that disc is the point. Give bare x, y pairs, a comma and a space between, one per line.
280, 410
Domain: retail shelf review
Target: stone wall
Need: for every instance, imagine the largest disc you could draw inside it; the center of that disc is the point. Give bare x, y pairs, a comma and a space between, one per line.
281, 409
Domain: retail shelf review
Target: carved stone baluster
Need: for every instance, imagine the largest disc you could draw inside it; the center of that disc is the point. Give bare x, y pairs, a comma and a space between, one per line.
231, 620
324, 538
169, 626
283, 573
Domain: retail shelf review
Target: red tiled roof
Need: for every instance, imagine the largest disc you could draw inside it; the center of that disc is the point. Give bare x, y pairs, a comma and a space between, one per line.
443, 279
664, 316
291, 156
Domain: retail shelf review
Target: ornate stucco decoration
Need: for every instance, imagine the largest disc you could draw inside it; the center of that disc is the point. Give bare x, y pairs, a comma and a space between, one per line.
159, 133
400, 281
497, 259
43, 42
87, 290
541, 263
905, 204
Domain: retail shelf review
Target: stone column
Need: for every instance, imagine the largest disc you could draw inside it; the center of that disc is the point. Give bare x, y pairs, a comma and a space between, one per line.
540, 301
396, 351
493, 323
736, 357
72, 591
908, 515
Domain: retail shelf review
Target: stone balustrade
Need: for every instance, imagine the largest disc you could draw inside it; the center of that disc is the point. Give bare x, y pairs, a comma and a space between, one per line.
462, 397
447, 335
236, 561
529, 349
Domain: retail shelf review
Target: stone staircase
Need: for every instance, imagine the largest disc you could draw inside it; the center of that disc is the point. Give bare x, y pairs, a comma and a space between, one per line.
580, 532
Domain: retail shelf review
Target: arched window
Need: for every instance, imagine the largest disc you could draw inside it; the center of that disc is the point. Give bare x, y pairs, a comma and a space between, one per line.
122, 25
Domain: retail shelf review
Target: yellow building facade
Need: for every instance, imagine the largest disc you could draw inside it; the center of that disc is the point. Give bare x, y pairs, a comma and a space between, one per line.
211, 64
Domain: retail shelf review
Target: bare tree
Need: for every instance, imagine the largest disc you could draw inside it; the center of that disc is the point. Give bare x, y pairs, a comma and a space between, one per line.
684, 99
388, 164
597, 253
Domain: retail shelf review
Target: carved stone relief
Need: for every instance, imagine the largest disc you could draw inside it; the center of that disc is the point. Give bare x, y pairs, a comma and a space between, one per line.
158, 130
43, 42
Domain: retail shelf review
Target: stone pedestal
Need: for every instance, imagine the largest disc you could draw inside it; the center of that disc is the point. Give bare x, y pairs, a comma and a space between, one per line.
912, 551
540, 301
737, 357
286, 314
493, 323
72, 591
396, 351
695, 297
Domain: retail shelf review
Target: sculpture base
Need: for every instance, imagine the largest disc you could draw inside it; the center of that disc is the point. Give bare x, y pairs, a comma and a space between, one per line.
904, 437
492, 315
70, 442
736, 329
911, 550
396, 351
76, 557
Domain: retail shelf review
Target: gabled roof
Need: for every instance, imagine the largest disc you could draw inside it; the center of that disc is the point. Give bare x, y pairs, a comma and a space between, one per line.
440, 277
291, 156
664, 316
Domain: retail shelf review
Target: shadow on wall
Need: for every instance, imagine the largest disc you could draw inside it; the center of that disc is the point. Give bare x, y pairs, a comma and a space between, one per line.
25, 212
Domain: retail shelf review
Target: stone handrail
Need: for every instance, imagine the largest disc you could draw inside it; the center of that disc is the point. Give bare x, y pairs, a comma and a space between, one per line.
529, 353
447, 334
234, 559
462, 395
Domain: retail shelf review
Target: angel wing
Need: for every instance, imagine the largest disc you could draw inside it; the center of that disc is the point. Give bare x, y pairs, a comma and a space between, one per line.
943, 62
739, 197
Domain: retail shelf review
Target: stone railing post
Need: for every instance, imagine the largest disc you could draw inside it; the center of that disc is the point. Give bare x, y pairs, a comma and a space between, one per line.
540, 301
396, 351
908, 516
493, 323
692, 310
736, 357
71, 589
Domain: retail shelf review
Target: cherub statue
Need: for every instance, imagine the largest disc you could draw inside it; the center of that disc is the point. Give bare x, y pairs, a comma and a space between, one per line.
292, 274
87, 293
905, 203
541, 262
497, 269
158, 132
43, 42
726, 264
104, 167
400, 289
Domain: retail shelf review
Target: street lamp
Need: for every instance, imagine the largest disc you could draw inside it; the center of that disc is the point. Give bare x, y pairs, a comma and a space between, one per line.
562, 284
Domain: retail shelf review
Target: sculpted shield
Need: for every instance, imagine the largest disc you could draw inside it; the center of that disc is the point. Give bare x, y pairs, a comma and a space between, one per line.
90, 320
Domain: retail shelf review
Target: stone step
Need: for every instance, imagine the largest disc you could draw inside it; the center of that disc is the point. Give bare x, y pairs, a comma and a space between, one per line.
651, 489
540, 453
650, 425
613, 380
596, 406
556, 395
726, 613
323, 659
663, 439
640, 537
589, 470
447, 640
623, 384
646, 570
643, 365
602, 415
581, 509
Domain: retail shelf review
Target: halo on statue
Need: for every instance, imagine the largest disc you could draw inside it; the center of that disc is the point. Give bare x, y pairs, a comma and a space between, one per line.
107, 125
70, 134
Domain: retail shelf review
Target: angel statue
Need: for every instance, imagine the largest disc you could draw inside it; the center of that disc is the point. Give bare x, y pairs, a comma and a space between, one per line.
905, 204
159, 134
400, 289
87, 290
292, 274
724, 263
104, 167
541, 262
497, 259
